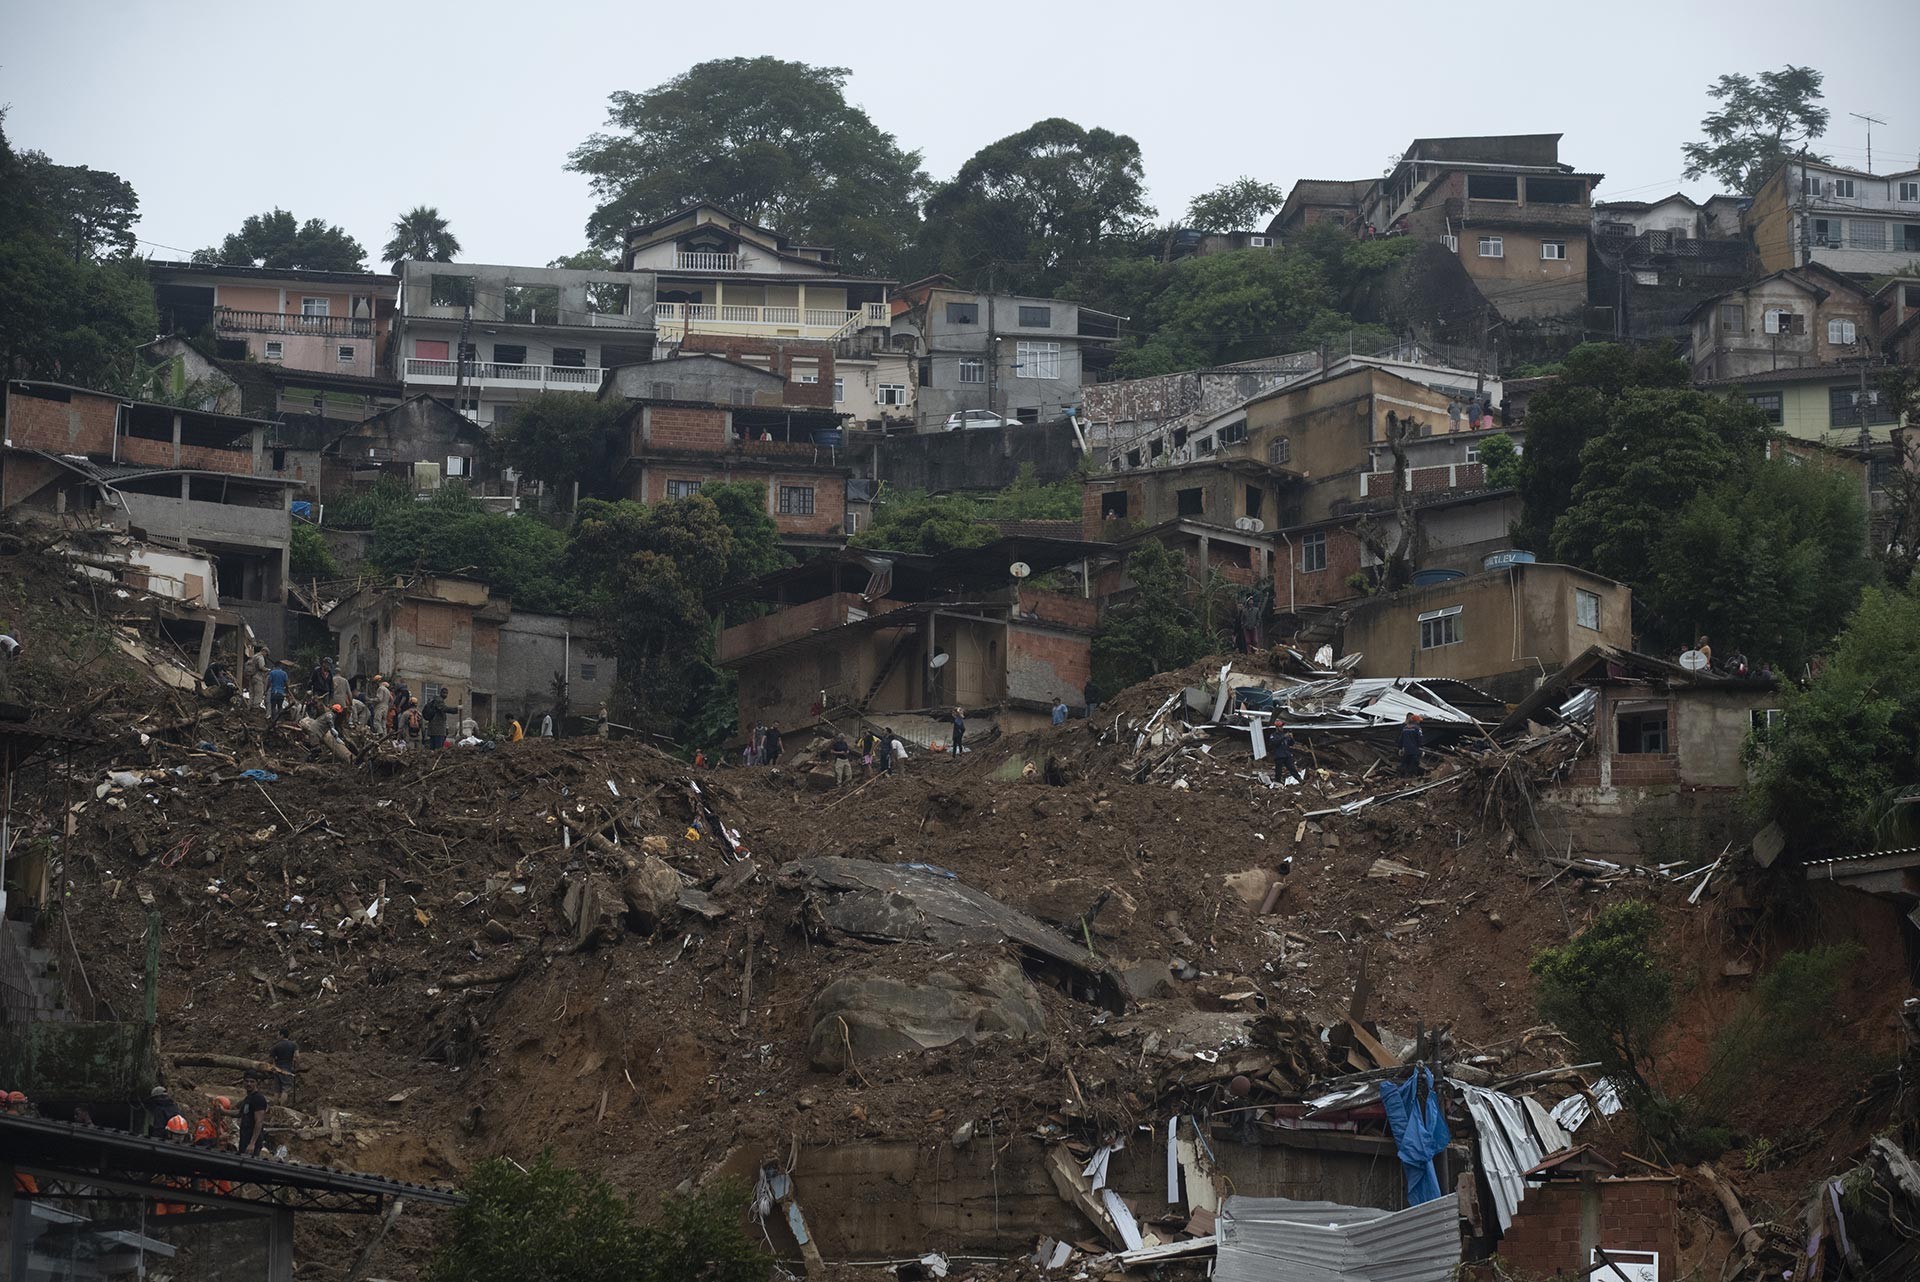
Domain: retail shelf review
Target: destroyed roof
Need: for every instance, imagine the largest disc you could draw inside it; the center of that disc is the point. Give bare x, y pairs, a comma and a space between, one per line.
1263, 1238
1615, 664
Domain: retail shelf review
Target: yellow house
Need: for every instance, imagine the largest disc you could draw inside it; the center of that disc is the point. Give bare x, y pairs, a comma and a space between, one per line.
1824, 404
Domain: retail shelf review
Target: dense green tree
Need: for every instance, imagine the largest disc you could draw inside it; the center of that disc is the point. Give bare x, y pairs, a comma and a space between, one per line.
774, 142
755, 537
1502, 460
89, 212
1850, 739
1608, 991
1563, 416
1658, 448
453, 533
563, 437
1240, 205
914, 521
309, 557
278, 239
420, 235
1036, 203
1155, 630
71, 320
587, 260
1757, 126
1763, 559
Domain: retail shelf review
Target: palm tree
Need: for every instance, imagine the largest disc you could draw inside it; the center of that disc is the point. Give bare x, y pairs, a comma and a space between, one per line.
421, 234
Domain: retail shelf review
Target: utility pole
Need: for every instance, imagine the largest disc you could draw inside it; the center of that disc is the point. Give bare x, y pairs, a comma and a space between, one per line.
460, 360
1866, 451
1871, 122
993, 346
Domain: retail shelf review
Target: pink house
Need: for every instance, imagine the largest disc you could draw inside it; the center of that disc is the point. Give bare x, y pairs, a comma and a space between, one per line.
321, 322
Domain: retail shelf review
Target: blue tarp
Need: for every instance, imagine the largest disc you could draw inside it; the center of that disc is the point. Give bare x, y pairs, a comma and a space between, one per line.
303, 508
1419, 1131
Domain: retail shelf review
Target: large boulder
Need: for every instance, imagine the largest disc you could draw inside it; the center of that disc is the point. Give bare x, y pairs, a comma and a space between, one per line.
875, 1016
594, 911
651, 889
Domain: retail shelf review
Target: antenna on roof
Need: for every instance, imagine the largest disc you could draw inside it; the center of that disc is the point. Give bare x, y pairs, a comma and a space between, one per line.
1871, 122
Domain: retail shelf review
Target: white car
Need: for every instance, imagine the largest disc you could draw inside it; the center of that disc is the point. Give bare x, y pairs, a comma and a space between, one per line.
978, 418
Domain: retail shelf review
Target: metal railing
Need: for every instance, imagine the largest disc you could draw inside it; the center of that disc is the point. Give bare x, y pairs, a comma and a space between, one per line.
704, 261
236, 321
479, 373
839, 321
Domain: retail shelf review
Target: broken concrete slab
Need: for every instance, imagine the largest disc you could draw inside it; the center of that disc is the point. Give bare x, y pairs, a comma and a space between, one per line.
906, 905
1066, 900
868, 1017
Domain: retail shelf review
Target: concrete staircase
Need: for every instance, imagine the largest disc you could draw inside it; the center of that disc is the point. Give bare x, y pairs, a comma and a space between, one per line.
31, 976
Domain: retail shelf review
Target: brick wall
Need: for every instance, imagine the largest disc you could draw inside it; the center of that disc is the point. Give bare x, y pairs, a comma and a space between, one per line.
82, 425
1635, 1215
678, 428
780, 357
1058, 607
829, 503
1291, 584
1042, 663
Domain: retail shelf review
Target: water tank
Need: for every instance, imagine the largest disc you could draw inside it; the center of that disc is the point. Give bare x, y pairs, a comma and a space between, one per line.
1427, 578
1501, 560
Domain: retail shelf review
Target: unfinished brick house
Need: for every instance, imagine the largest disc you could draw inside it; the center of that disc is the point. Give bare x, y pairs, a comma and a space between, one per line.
706, 418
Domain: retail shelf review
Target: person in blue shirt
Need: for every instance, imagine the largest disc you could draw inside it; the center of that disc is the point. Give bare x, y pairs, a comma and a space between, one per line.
276, 691
1059, 711
1412, 743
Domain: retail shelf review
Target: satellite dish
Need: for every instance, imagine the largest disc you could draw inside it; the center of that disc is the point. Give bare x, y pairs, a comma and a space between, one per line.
1693, 661
1019, 569
1244, 523
938, 660
1257, 524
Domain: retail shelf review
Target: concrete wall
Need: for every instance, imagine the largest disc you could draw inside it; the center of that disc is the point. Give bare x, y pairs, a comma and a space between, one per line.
490, 284
1724, 350
793, 359
1012, 385
975, 459
532, 648
860, 380
711, 379
420, 429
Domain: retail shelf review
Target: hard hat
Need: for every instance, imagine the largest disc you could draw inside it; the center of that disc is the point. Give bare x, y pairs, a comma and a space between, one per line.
222, 1101
338, 708
17, 1097
177, 1124
158, 1092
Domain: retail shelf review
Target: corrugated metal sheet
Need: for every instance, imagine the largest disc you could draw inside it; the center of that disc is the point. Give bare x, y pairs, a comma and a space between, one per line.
1264, 1239
1509, 1145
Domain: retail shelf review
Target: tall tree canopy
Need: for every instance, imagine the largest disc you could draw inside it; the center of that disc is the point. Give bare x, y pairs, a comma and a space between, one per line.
1240, 205
67, 316
563, 437
775, 142
278, 239
89, 212
1758, 124
1038, 201
420, 235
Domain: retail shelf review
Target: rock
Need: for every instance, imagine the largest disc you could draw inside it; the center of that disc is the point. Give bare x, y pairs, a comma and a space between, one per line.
1148, 979
496, 932
963, 1135
876, 1016
594, 911
1063, 901
1252, 885
654, 845
651, 890
1494, 920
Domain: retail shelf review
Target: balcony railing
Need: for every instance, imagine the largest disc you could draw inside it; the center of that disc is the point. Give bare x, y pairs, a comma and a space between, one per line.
722, 316
704, 261
538, 378
229, 319
641, 317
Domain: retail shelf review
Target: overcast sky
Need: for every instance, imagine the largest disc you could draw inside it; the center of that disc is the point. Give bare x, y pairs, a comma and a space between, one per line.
354, 111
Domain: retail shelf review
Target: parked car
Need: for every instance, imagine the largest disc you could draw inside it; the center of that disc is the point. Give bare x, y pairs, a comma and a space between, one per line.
978, 418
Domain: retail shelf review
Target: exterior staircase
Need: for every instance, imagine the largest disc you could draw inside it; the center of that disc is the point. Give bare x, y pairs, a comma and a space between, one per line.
29, 977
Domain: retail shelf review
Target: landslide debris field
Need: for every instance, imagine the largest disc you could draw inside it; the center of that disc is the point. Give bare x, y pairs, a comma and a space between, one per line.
556, 943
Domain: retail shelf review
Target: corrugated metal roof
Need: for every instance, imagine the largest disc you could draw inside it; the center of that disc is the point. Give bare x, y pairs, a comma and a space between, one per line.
1509, 1146
1262, 1239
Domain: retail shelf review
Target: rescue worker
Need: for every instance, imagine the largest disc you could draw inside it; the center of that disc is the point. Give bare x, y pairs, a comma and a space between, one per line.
342, 690
515, 732
253, 1119
1412, 744
382, 707
1280, 748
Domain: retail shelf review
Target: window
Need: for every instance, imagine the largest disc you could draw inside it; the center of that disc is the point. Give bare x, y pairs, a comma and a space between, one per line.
1553, 249
588, 671
1440, 627
1255, 495
839, 390
345, 353
1313, 552
742, 396
796, 500
570, 357
1556, 191
973, 369
451, 291
456, 465
1866, 233
1844, 405
276, 350
1768, 403
1280, 450
1191, 502
1027, 413
963, 313
1638, 728
1809, 184
1840, 332
1843, 188
532, 304
509, 353
432, 349
811, 378
1778, 320
1113, 505
1036, 360
682, 489
1910, 191
1492, 247
607, 298
1259, 242
660, 391
1586, 608
1206, 445
1036, 317
1733, 318
1826, 233
1473, 452
315, 306
1234, 433
1910, 238
1768, 718
892, 394
1493, 187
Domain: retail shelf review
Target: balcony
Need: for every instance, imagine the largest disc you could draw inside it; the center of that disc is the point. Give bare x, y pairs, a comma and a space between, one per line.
705, 261
731, 318
534, 378
1507, 213
641, 317
238, 322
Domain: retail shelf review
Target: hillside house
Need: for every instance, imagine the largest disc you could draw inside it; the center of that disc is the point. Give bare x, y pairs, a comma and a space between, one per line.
1847, 220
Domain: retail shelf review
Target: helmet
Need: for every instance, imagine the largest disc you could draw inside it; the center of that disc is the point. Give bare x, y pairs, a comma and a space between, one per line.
176, 1125
16, 1097
222, 1101
158, 1092
339, 708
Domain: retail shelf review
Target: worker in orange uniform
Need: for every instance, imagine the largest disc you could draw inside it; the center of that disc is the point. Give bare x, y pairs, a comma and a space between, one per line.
15, 1103
177, 1133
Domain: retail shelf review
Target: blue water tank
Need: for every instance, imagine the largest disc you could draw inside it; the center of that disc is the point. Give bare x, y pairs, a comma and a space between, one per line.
1427, 578
1501, 560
